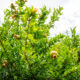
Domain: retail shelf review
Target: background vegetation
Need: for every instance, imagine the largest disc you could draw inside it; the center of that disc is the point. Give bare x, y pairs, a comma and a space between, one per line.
28, 53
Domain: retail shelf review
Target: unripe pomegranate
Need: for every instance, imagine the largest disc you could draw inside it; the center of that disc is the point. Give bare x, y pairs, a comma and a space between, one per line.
25, 0
5, 61
4, 64
15, 11
53, 54
35, 10
12, 6
16, 36
13, 16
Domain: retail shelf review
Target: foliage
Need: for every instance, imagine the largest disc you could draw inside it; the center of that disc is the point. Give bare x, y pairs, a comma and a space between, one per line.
25, 46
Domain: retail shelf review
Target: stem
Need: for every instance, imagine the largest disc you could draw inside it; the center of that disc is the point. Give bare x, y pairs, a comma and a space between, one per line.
18, 26
27, 33
26, 57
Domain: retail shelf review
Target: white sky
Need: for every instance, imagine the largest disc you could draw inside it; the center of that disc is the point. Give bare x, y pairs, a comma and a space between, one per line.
70, 17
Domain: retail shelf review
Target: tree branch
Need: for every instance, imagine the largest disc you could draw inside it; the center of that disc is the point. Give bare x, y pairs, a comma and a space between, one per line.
26, 57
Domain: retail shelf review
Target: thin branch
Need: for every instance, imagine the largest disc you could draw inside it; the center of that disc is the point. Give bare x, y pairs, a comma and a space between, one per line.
26, 57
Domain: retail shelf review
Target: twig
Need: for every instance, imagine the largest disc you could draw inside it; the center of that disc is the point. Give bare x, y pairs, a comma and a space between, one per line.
26, 57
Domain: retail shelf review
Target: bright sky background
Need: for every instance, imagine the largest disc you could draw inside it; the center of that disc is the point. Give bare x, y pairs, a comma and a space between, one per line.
70, 17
